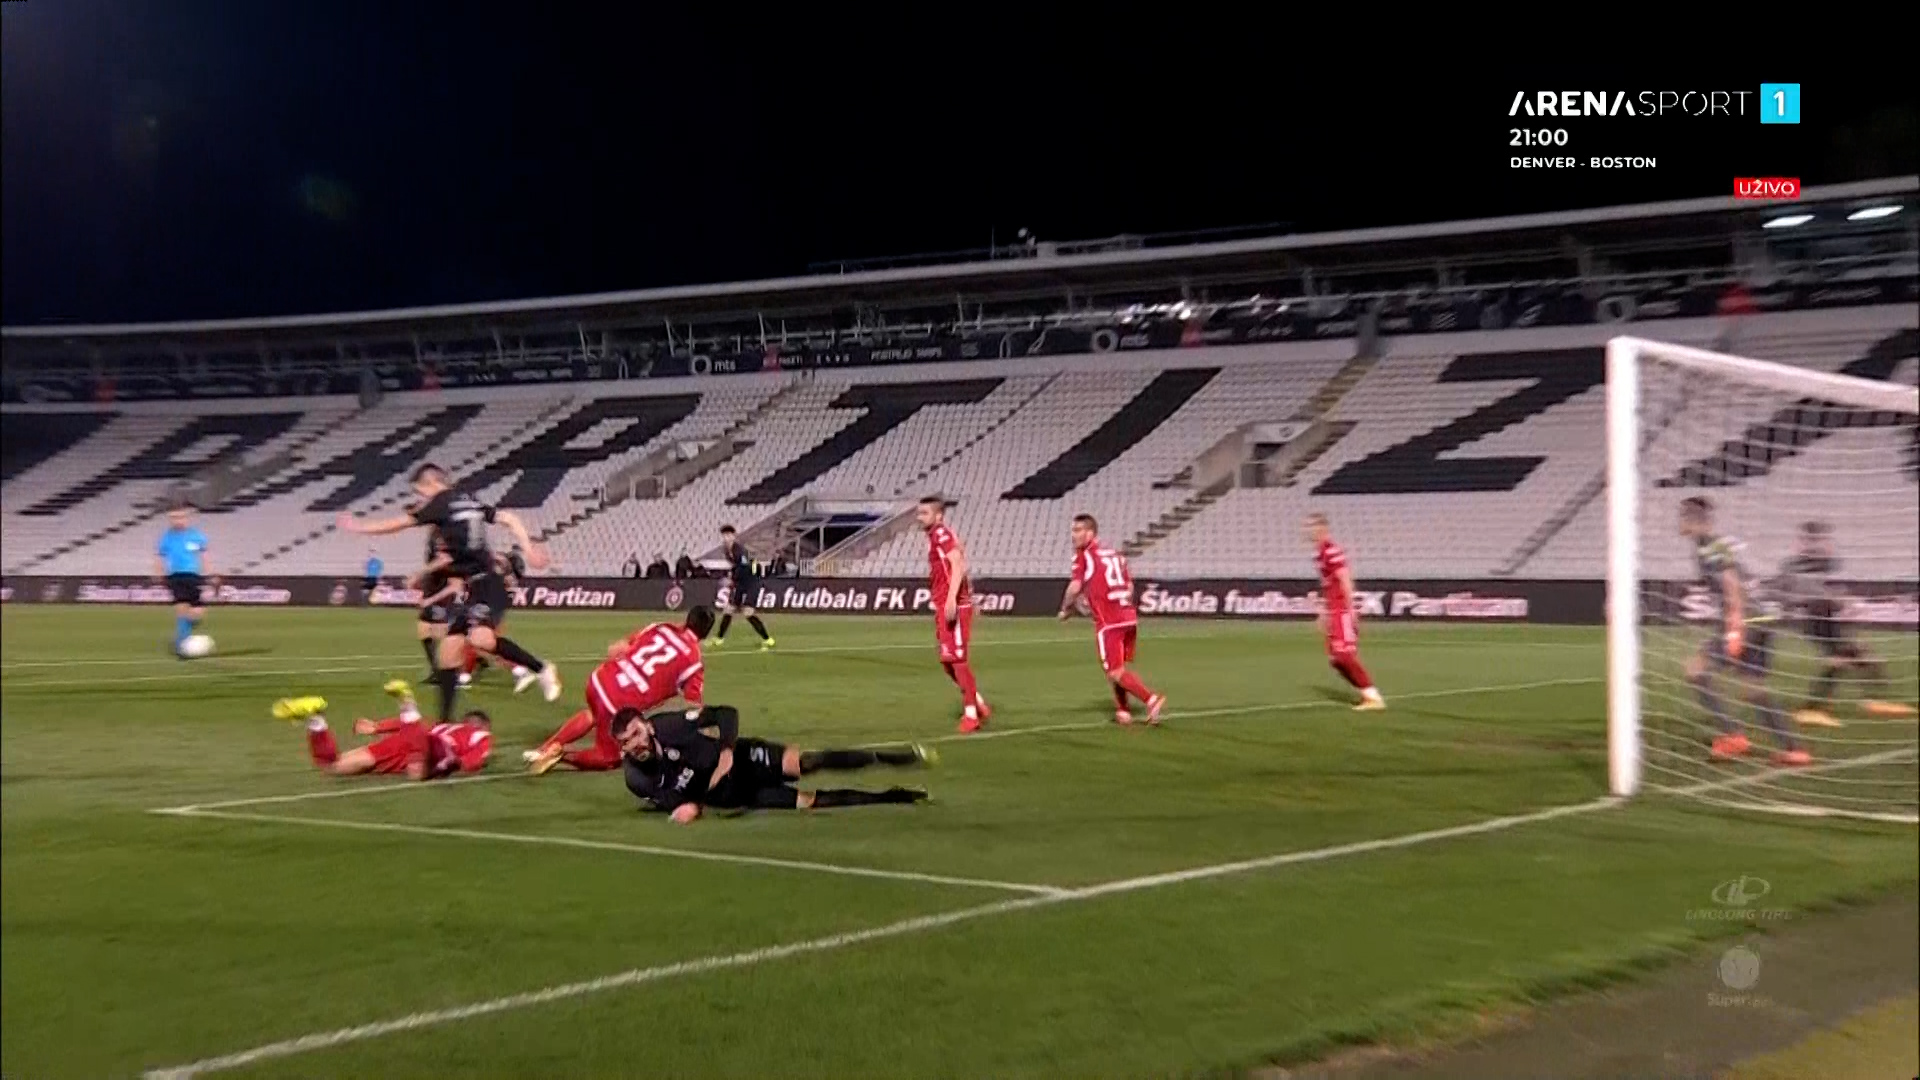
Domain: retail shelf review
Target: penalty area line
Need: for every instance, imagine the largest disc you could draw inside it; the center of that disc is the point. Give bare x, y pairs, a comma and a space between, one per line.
639, 976
634, 849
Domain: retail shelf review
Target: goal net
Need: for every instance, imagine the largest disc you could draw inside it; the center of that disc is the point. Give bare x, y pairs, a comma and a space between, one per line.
1763, 583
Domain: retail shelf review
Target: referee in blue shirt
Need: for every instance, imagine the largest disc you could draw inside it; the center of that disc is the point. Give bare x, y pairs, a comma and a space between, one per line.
372, 582
182, 563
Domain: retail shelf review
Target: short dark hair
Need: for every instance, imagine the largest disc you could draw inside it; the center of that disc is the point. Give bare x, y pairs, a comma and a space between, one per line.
934, 500
426, 469
726, 530
1087, 520
700, 621
477, 716
623, 720
1816, 528
1696, 506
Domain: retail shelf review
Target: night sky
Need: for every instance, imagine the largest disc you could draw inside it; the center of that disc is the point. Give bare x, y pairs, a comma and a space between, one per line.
197, 160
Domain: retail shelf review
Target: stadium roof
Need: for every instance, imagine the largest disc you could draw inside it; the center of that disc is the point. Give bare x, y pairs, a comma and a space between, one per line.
1085, 274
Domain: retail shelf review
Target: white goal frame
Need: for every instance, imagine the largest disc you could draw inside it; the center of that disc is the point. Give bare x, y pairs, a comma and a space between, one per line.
1624, 734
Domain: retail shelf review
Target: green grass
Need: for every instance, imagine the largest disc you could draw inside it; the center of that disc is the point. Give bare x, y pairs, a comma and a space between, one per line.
135, 940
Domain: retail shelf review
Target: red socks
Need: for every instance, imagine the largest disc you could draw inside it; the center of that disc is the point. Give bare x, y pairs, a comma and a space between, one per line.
576, 728
1130, 684
1119, 698
598, 759
969, 690
320, 744
1350, 670
472, 662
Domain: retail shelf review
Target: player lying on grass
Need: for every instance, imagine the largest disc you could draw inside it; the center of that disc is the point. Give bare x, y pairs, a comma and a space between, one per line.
673, 764
643, 671
407, 746
1743, 645
1100, 574
1806, 586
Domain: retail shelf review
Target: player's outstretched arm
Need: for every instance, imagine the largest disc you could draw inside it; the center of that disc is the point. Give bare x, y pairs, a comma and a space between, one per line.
536, 552
384, 527
724, 719
1067, 599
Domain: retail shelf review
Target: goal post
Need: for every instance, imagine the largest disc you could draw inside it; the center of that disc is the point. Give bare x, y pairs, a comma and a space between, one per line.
1812, 480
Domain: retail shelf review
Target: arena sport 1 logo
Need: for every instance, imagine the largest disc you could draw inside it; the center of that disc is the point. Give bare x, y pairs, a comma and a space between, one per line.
1641, 104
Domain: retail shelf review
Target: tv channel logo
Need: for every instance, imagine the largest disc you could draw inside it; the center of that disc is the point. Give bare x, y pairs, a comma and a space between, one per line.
1779, 102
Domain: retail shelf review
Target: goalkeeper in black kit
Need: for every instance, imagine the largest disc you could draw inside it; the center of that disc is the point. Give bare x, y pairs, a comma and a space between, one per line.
1818, 606
683, 763
1743, 648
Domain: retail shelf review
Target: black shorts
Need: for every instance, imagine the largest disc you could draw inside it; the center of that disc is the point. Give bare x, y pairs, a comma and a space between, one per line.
1756, 653
744, 593
434, 614
756, 768
485, 604
370, 584
1832, 637
185, 588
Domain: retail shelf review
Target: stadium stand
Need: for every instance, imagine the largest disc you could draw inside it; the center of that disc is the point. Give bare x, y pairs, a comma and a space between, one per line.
1464, 454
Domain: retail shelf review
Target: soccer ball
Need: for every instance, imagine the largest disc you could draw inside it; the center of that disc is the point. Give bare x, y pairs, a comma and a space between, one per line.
197, 646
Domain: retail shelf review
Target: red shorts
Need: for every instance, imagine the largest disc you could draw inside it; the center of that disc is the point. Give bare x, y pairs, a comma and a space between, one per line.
392, 753
1343, 634
956, 639
598, 704
1116, 645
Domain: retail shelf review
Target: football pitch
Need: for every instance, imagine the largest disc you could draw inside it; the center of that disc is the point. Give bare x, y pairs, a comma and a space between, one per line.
1267, 877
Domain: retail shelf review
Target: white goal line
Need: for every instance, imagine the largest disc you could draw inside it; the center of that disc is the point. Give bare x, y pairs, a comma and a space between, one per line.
639, 976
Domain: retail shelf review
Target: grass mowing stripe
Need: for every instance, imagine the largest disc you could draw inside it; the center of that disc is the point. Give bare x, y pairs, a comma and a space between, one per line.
636, 849
1183, 635
637, 976
224, 673
979, 736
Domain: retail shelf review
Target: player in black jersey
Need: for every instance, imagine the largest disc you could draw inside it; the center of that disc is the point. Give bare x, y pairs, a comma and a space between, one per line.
1744, 644
437, 593
1817, 604
461, 522
673, 764
743, 589
512, 567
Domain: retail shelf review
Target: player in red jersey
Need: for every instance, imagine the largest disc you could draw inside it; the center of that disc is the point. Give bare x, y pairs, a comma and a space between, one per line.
1100, 574
642, 671
952, 609
1337, 618
408, 746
